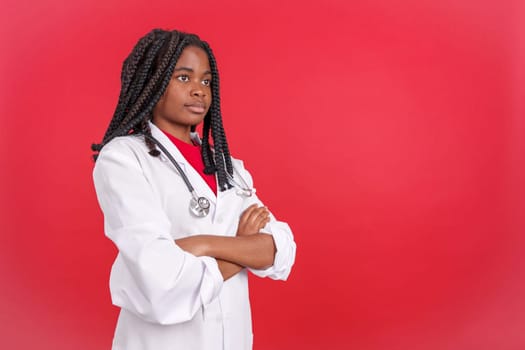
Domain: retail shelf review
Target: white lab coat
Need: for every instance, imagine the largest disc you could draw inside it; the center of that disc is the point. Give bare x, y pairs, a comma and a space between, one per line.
170, 299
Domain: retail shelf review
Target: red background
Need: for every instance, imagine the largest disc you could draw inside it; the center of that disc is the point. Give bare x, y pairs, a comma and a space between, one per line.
389, 134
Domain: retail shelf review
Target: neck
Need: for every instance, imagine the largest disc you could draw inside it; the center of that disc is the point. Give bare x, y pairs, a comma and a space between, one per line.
179, 132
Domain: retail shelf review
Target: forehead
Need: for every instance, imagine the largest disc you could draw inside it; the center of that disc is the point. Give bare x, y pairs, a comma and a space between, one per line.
194, 57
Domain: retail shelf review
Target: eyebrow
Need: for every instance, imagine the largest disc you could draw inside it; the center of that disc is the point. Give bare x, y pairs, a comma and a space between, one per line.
187, 69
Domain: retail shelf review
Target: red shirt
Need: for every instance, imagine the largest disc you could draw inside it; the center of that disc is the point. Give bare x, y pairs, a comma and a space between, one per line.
192, 153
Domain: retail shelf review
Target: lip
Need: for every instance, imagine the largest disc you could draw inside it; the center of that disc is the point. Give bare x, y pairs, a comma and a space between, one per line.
196, 107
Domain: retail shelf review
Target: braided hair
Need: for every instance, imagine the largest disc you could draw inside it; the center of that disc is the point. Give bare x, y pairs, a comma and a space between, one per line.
146, 73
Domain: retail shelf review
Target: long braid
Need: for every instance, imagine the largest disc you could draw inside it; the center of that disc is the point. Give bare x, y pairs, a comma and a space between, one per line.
222, 156
207, 154
133, 81
146, 74
142, 75
129, 69
140, 94
151, 145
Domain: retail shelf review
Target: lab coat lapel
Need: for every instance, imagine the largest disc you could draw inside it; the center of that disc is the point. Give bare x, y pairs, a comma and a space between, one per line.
196, 180
174, 151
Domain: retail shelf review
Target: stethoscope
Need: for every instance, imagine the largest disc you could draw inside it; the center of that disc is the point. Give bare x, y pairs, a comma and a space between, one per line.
200, 205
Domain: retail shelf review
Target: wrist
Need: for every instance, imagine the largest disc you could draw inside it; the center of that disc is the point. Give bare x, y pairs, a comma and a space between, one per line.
205, 246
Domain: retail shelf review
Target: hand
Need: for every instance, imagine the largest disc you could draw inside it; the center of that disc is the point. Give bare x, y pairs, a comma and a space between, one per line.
252, 220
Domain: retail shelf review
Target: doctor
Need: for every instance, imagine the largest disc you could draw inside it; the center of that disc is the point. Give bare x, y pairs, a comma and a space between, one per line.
183, 215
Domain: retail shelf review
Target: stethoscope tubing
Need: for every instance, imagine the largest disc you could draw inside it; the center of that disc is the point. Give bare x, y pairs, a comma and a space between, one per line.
174, 162
244, 188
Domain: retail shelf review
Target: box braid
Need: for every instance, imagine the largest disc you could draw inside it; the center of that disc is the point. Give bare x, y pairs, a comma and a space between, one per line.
146, 73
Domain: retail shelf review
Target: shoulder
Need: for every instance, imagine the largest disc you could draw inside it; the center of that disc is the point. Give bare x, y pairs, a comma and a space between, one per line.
130, 145
124, 143
124, 150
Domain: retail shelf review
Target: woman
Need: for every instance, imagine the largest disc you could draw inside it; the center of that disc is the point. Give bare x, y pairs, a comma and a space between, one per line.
183, 214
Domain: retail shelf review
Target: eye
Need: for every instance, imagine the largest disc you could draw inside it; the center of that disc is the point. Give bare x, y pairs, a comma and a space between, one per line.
184, 78
206, 82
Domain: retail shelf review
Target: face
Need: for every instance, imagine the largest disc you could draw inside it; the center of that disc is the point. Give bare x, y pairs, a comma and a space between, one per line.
188, 95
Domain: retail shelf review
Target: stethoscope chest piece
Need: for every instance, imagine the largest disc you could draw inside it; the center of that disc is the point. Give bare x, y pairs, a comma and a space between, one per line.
199, 206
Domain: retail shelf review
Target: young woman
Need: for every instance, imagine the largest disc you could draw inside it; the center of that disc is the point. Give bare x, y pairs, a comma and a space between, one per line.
183, 214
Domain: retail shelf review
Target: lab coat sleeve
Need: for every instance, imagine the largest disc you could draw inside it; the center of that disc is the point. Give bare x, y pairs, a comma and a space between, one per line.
282, 235
151, 277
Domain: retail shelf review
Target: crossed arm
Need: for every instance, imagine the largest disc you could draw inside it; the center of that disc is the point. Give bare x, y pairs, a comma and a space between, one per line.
248, 248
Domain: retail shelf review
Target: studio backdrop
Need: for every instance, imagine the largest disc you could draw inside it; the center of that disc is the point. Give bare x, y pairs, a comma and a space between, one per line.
390, 135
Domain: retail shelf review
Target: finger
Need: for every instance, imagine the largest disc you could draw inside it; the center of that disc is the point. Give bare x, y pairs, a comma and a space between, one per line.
258, 215
255, 213
261, 223
246, 214
262, 218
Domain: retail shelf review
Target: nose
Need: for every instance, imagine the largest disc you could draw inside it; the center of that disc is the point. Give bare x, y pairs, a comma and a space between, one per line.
197, 90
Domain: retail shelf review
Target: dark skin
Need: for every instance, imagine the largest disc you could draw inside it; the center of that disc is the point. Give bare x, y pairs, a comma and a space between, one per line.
183, 105
188, 95
248, 248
